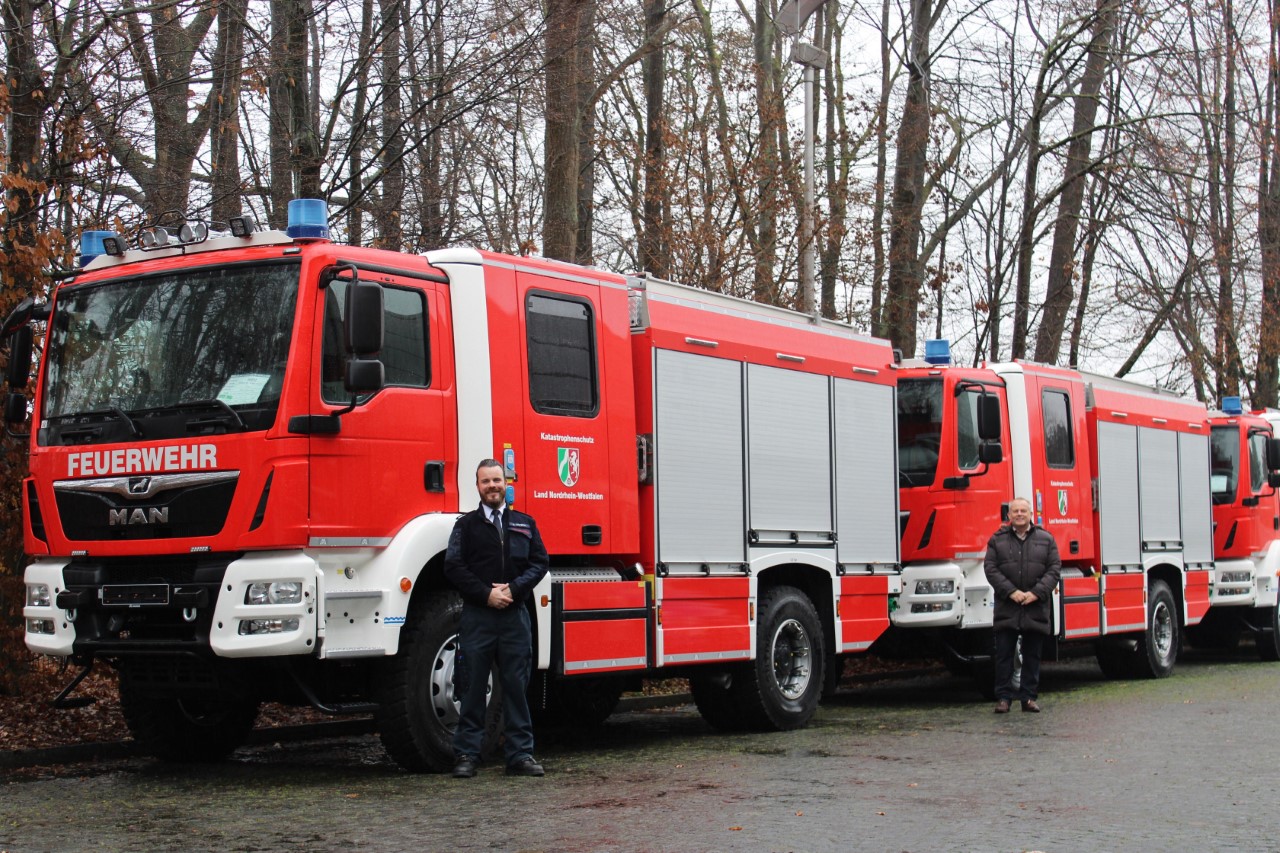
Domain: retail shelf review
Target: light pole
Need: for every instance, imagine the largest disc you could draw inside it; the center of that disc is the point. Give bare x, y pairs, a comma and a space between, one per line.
790, 21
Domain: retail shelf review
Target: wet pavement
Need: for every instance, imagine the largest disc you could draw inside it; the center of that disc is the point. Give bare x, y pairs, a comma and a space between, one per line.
1185, 763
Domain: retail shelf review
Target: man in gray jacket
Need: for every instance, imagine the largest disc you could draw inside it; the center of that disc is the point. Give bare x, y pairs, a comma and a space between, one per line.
1022, 567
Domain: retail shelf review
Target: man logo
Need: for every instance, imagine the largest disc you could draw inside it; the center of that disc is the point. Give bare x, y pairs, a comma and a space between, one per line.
567, 464
139, 485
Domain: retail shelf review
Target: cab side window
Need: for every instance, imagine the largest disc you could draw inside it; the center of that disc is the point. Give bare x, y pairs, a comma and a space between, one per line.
1059, 449
563, 379
967, 426
1257, 461
404, 346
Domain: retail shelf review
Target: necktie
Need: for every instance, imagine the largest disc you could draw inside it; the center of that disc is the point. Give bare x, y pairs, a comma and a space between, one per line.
496, 520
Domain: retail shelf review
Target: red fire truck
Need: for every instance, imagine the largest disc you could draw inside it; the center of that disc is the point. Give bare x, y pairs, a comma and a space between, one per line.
248, 451
1119, 473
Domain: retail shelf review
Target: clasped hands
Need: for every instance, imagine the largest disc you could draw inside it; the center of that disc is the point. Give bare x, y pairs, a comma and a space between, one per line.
500, 596
1023, 597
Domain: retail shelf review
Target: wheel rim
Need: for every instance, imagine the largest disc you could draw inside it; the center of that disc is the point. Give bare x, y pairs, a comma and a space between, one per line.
445, 702
792, 659
1162, 630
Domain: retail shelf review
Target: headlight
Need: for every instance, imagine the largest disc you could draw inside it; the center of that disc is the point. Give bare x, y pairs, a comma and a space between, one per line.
37, 595
934, 607
936, 587
267, 626
274, 592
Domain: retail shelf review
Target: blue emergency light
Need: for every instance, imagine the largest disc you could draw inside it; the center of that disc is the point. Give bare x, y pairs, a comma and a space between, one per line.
308, 219
1232, 406
937, 351
91, 245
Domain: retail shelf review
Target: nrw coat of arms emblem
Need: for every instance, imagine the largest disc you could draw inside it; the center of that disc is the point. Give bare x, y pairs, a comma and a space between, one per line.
567, 462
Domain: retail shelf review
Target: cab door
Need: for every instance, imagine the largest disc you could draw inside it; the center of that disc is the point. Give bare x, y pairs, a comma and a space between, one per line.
564, 464
385, 464
1061, 499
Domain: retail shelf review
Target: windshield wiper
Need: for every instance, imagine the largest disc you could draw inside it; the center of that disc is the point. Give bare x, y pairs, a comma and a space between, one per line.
114, 411
225, 412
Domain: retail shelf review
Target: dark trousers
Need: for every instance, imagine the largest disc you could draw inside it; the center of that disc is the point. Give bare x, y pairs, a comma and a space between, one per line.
1006, 646
490, 636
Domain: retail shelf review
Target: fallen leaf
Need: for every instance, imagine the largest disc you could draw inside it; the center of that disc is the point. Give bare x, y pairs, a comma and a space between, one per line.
735, 829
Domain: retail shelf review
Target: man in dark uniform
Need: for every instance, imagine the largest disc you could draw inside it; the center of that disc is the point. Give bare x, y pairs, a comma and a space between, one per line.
1022, 567
495, 558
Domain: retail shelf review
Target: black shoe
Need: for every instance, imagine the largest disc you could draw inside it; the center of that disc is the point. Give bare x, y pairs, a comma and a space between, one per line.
464, 768
525, 767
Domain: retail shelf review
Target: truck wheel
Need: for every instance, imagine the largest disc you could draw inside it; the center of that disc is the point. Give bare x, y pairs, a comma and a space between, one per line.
185, 728
1269, 637
781, 688
1157, 649
418, 701
714, 696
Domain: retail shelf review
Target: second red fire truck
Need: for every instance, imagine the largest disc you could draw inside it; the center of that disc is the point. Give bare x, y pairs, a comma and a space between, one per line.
1119, 473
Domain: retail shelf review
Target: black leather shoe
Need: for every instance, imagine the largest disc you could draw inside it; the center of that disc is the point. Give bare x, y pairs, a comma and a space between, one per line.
525, 767
1030, 706
464, 768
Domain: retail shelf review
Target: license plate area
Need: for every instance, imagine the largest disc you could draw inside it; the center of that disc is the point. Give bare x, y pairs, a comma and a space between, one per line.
135, 594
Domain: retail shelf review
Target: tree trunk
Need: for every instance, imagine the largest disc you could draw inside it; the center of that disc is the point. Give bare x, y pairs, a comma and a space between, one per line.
653, 243
1060, 290
765, 285
1267, 373
561, 135
391, 199
902, 296
224, 131
584, 250
878, 262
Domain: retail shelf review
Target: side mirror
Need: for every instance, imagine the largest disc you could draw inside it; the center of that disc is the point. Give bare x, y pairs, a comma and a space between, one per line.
364, 375
15, 409
1273, 479
989, 424
1273, 454
18, 373
990, 452
364, 318
364, 329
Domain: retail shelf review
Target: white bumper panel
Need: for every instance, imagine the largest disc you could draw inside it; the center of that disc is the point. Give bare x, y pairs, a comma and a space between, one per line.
232, 610
971, 600
1234, 584
363, 602
49, 573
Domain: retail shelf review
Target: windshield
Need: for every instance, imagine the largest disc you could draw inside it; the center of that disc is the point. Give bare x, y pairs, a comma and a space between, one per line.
169, 355
919, 430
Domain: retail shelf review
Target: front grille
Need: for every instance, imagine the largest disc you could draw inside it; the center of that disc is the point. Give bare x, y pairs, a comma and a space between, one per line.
196, 510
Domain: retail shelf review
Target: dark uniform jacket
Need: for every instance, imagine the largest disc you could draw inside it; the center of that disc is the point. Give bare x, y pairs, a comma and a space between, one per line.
1031, 565
477, 557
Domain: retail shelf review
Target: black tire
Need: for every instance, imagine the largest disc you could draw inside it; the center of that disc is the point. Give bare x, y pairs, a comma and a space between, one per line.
714, 696
418, 699
1157, 648
185, 729
781, 688
1268, 639
583, 702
